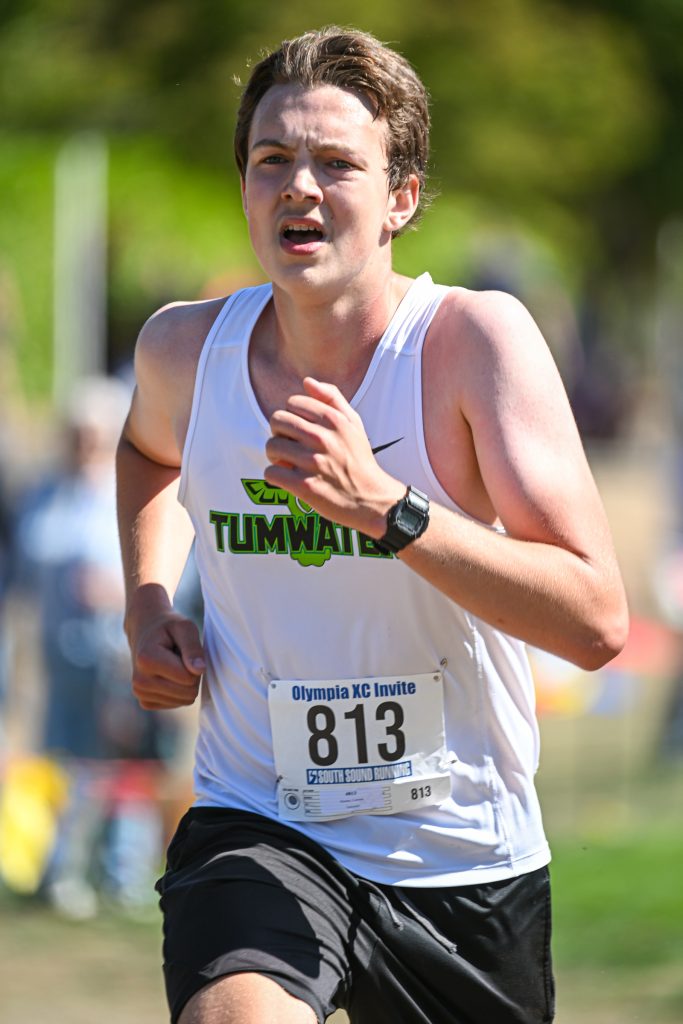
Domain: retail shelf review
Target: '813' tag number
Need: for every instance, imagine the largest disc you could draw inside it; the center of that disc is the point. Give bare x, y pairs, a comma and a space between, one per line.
323, 747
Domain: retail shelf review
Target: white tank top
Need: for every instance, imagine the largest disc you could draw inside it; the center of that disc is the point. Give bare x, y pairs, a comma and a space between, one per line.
278, 609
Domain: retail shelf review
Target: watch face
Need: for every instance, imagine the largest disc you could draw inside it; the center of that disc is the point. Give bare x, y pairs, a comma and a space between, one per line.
409, 519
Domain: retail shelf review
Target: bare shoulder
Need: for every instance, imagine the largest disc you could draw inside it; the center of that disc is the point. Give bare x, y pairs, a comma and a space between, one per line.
172, 339
486, 346
166, 357
491, 377
487, 323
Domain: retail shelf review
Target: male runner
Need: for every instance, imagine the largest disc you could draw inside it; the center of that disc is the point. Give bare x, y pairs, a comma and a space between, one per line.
389, 498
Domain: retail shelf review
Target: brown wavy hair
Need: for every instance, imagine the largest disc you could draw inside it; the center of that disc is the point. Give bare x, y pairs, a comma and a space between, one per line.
354, 60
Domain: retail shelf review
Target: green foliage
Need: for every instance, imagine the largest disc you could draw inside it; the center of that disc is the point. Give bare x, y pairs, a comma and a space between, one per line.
530, 99
26, 171
171, 226
172, 229
528, 95
558, 115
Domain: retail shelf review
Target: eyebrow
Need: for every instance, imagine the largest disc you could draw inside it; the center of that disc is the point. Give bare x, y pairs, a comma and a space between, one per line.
269, 142
279, 144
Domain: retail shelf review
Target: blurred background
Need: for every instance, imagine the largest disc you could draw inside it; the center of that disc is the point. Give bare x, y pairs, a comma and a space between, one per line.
557, 166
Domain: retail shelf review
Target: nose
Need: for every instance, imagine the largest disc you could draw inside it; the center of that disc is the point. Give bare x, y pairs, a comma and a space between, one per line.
302, 183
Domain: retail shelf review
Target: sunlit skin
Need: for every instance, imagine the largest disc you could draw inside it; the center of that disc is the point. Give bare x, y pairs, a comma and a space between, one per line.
498, 431
317, 159
498, 427
321, 217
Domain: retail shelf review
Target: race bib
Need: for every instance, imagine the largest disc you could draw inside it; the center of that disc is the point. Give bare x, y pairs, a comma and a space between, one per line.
358, 746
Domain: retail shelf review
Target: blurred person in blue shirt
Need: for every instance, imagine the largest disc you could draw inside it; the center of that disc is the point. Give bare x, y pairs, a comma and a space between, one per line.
111, 833
5, 559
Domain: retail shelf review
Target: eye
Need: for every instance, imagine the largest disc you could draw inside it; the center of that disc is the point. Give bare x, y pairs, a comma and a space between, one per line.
274, 158
341, 165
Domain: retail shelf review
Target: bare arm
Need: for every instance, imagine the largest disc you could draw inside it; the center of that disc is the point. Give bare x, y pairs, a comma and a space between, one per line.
155, 541
551, 578
155, 531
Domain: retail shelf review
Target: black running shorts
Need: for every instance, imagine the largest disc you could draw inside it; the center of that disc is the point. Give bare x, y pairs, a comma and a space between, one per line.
244, 893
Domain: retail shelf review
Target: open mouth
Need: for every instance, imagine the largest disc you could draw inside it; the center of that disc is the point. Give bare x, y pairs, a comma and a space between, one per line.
302, 234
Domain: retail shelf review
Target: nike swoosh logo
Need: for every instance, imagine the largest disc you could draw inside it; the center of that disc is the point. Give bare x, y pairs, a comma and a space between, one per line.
382, 447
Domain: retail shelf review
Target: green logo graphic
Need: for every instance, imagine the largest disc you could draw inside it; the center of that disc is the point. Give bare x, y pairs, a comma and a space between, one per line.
301, 533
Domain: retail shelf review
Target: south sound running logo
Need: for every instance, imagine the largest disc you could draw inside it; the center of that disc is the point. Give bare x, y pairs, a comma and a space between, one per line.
300, 533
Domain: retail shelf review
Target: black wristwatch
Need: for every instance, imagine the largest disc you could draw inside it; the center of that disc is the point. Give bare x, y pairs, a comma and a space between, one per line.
406, 521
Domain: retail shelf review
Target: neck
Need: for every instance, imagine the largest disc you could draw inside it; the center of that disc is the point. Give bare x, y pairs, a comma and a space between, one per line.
332, 339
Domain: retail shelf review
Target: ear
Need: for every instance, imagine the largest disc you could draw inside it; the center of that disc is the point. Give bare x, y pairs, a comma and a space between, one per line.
243, 186
402, 204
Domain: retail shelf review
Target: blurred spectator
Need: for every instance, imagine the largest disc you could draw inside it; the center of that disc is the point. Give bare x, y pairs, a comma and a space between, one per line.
5, 552
110, 835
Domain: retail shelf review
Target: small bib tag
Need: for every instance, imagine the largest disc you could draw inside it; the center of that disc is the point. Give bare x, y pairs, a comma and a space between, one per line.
358, 746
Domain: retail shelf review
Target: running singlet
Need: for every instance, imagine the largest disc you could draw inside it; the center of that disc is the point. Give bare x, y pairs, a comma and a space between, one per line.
344, 694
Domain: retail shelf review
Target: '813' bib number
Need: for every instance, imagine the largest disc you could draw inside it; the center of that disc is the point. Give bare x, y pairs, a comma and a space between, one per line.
358, 746
323, 745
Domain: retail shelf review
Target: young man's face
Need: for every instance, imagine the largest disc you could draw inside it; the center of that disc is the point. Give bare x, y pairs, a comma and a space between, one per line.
316, 192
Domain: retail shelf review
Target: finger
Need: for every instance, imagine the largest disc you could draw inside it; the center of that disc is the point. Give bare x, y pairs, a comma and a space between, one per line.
307, 409
300, 425
280, 474
164, 691
289, 453
160, 706
157, 683
329, 394
155, 693
188, 645
155, 660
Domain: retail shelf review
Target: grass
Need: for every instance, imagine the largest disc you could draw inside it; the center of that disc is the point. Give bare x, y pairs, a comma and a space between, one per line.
58, 972
619, 903
618, 917
618, 934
